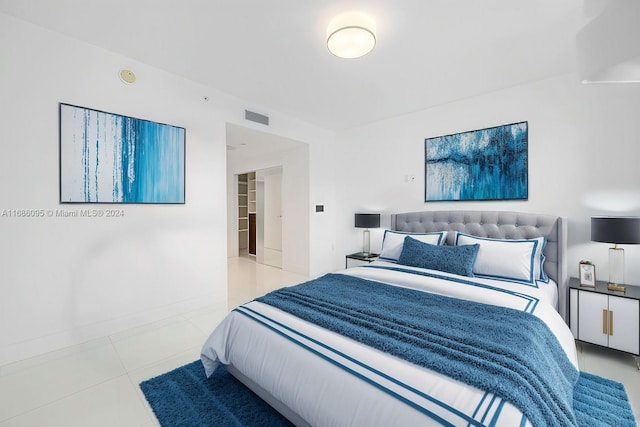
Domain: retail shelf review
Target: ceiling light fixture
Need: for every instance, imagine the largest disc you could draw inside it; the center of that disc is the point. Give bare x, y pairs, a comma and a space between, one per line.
351, 35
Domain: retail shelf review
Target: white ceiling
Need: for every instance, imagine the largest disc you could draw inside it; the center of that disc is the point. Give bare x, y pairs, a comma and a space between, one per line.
273, 53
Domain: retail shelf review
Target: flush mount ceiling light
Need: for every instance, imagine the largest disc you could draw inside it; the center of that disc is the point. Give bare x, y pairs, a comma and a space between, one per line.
351, 35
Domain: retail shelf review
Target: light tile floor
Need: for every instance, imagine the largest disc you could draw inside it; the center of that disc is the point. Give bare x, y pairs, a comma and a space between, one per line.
96, 383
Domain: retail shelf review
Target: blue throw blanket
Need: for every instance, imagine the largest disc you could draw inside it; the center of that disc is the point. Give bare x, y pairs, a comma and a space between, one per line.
504, 351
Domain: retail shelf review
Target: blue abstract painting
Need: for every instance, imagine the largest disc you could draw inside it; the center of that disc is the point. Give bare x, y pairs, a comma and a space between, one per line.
485, 164
110, 158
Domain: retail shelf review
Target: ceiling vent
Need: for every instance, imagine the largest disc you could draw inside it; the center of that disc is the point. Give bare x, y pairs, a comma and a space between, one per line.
256, 117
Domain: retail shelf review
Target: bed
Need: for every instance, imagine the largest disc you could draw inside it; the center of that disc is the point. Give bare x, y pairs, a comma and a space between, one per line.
418, 337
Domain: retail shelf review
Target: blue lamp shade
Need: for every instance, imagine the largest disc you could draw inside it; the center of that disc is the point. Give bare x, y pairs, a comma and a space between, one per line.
367, 220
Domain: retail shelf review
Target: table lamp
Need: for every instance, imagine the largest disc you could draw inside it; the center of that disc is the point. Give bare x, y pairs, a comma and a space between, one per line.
367, 221
619, 231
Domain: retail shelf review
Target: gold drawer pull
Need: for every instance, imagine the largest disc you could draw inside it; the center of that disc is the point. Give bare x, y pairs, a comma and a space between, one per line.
611, 323
604, 322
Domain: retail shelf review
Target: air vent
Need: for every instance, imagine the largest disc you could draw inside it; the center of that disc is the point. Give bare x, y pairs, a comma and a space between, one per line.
256, 117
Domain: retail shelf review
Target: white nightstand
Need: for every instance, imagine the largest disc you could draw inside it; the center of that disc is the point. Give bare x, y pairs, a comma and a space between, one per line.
606, 318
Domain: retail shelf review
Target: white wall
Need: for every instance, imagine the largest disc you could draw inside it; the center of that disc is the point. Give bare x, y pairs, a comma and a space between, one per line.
68, 280
297, 223
584, 146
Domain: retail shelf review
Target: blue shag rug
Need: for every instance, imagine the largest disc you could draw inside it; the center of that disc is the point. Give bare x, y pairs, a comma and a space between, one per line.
599, 401
185, 397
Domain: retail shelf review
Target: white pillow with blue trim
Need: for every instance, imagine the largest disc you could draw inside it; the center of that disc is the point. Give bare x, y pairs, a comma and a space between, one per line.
392, 242
518, 260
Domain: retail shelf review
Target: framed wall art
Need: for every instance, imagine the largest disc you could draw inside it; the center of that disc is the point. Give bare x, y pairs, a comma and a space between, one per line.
484, 164
111, 158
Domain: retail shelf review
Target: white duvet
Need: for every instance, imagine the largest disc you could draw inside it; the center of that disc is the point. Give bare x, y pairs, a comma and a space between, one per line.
329, 380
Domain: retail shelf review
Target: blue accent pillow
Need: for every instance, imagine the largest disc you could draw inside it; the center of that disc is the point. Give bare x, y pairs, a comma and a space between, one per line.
450, 259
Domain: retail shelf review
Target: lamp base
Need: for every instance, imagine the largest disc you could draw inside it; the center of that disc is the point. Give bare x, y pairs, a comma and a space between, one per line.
616, 287
366, 242
616, 265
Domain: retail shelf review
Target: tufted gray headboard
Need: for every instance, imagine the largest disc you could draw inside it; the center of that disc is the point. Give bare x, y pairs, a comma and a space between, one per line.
500, 225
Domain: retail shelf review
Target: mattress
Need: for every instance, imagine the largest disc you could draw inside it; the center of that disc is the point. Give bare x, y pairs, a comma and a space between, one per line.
326, 379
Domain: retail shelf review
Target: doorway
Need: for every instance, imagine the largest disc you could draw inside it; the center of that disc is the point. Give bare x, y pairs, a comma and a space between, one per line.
260, 215
282, 193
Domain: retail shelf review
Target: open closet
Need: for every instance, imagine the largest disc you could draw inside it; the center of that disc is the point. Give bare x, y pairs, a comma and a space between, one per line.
260, 215
247, 195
